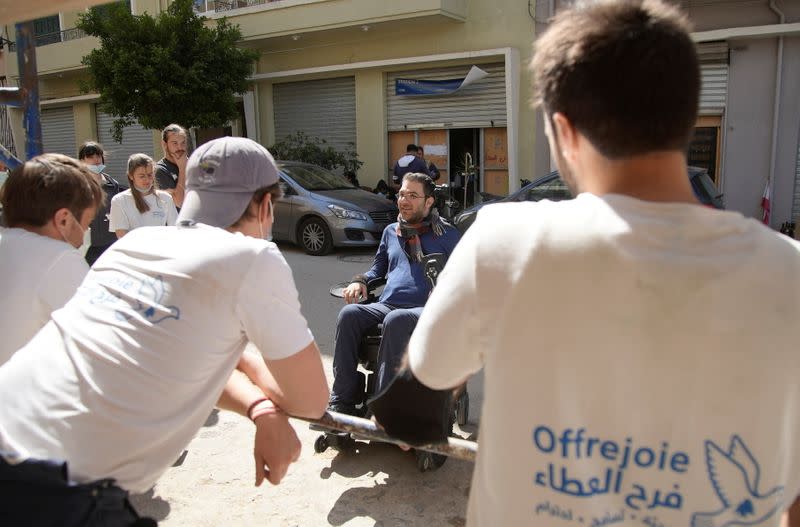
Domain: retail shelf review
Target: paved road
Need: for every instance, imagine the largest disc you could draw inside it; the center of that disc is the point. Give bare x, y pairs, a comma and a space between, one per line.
377, 485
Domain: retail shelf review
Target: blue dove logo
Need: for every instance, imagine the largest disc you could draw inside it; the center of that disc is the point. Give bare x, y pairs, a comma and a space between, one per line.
734, 475
153, 291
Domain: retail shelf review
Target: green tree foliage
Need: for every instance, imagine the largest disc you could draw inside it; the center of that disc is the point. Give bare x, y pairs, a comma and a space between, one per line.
165, 69
300, 147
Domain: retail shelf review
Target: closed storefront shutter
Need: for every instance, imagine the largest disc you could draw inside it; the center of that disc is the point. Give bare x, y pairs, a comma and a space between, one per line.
58, 131
135, 139
714, 76
478, 105
320, 108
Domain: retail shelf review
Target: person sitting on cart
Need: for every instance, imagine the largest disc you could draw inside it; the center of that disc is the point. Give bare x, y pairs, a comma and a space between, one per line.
418, 231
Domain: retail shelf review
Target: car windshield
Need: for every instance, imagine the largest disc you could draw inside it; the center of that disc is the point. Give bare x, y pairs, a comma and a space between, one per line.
554, 190
312, 177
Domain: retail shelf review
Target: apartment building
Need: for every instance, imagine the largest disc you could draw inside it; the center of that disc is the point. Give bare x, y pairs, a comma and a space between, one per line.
372, 72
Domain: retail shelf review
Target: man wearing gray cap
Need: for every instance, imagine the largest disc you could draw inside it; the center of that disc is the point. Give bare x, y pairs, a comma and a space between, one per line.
110, 391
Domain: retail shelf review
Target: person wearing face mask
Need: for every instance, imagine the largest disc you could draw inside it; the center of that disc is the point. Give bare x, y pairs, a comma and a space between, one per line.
48, 204
121, 379
93, 155
142, 205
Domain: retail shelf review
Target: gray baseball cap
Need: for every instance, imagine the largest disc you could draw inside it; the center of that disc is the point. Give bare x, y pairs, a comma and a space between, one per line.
221, 176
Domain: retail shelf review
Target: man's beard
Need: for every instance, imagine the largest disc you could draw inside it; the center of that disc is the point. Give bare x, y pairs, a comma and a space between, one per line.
414, 217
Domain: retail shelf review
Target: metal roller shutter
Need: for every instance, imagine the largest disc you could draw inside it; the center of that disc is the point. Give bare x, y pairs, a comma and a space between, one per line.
135, 139
714, 77
58, 131
319, 108
479, 105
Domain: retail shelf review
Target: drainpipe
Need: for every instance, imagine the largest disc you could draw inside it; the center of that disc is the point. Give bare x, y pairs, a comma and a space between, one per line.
776, 108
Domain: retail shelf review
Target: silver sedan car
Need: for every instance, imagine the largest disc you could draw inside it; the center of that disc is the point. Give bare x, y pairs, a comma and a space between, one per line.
320, 210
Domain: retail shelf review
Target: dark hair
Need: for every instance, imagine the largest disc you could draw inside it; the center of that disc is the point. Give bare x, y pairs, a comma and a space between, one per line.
173, 129
258, 196
135, 161
428, 185
625, 74
91, 148
36, 190
412, 148
382, 187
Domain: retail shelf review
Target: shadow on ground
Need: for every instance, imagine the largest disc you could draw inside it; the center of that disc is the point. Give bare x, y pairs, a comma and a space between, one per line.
150, 506
213, 418
400, 494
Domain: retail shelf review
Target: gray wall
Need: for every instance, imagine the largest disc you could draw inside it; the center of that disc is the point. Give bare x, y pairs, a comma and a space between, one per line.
786, 188
748, 124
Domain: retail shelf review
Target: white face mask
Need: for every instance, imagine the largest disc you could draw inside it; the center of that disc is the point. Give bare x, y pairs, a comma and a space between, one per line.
268, 237
86, 238
144, 190
97, 168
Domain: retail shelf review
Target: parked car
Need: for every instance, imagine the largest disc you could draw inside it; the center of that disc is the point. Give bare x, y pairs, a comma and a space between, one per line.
552, 187
320, 210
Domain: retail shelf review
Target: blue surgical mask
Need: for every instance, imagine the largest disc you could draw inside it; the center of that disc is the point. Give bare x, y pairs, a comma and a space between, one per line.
97, 168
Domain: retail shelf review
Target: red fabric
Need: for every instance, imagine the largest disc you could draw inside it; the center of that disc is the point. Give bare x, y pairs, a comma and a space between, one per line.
766, 206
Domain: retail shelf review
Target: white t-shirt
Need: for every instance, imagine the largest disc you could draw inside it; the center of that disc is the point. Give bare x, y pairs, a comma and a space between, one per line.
38, 275
124, 214
126, 373
641, 363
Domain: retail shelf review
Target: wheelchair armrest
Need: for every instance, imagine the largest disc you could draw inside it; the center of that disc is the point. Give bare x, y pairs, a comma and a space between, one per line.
372, 286
433, 264
375, 283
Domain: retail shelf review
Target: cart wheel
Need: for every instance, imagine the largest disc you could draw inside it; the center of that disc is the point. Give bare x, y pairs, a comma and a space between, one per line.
438, 460
424, 460
321, 444
462, 409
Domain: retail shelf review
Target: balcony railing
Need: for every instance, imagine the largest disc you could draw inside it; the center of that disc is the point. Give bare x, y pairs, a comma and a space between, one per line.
55, 37
219, 6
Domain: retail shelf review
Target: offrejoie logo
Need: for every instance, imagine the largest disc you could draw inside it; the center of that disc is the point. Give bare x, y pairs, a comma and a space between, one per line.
733, 473
570, 444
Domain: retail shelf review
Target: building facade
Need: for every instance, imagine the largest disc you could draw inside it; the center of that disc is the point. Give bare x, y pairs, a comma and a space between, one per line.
342, 70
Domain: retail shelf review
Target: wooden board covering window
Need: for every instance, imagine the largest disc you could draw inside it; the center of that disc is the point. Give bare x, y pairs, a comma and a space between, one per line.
495, 161
435, 144
705, 147
397, 146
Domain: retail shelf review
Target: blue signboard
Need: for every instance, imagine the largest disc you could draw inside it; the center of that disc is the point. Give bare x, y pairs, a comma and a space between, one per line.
438, 87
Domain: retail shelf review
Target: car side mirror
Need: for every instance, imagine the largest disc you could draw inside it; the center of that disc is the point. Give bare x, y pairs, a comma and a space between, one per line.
286, 189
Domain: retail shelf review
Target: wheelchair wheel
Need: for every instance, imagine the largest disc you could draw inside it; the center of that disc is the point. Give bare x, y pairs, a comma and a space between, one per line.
321, 444
462, 409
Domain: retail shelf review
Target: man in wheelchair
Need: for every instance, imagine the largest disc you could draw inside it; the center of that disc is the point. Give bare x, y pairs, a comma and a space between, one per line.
419, 231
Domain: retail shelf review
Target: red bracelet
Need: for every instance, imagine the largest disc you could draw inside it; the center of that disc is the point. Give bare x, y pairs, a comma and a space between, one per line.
253, 405
262, 407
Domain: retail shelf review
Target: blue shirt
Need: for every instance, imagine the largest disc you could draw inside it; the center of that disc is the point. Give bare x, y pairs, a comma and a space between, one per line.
406, 285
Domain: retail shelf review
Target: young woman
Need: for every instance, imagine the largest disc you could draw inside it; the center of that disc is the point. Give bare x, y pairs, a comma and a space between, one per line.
143, 205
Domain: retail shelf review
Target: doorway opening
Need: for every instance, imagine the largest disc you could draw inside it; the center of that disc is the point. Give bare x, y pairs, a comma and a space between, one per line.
464, 142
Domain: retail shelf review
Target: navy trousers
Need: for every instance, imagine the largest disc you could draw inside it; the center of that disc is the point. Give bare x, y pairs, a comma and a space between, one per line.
354, 320
39, 494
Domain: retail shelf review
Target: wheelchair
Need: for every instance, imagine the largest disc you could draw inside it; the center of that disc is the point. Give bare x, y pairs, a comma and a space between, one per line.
368, 360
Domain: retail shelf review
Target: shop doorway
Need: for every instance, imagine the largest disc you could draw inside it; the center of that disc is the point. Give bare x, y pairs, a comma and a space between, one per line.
463, 142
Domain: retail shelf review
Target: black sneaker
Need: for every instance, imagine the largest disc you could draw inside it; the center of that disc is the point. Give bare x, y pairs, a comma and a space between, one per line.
346, 408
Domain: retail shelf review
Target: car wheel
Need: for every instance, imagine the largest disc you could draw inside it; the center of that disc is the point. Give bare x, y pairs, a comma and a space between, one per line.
315, 237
